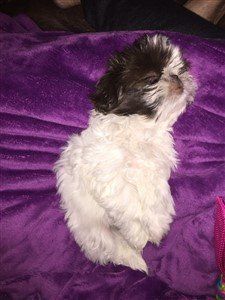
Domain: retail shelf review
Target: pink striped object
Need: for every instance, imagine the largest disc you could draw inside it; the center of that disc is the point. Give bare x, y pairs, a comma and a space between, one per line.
220, 244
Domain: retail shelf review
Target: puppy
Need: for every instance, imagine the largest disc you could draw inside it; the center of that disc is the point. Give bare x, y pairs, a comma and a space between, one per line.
113, 178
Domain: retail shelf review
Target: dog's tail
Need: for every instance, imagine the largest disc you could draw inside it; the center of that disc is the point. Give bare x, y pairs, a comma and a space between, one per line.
104, 245
128, 256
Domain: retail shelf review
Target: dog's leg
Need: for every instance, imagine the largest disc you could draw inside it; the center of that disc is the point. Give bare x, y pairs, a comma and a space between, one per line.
124, 211
103, 244
90, 226
158, 212
131, 230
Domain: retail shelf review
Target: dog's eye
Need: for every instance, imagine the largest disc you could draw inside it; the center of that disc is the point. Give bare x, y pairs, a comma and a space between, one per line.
183, 69
132, 91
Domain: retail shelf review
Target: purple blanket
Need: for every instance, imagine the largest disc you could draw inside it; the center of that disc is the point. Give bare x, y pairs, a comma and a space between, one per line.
46, 78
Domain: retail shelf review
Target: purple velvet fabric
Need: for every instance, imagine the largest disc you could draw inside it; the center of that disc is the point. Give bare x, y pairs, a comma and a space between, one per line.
46, 78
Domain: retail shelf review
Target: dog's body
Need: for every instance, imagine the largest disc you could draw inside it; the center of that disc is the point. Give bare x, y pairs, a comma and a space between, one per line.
113, 178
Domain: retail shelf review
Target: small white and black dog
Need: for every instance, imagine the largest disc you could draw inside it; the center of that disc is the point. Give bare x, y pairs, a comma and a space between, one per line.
113, 178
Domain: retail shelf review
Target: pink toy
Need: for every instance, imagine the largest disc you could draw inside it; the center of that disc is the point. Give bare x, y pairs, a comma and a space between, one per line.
220, 245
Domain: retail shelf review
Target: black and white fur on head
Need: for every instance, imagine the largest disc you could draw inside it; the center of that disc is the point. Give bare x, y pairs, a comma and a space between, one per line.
148, 78
113, 177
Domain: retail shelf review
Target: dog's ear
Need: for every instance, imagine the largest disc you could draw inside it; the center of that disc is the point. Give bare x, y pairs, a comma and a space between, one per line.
106, 96
109, 87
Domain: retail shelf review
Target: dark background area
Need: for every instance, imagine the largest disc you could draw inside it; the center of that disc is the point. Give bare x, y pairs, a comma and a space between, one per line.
48, 16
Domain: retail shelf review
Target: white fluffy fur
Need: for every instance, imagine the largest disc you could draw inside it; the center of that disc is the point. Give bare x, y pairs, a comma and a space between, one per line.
113, 181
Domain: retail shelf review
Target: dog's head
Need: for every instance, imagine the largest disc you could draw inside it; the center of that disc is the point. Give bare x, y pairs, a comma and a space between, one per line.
147, 78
